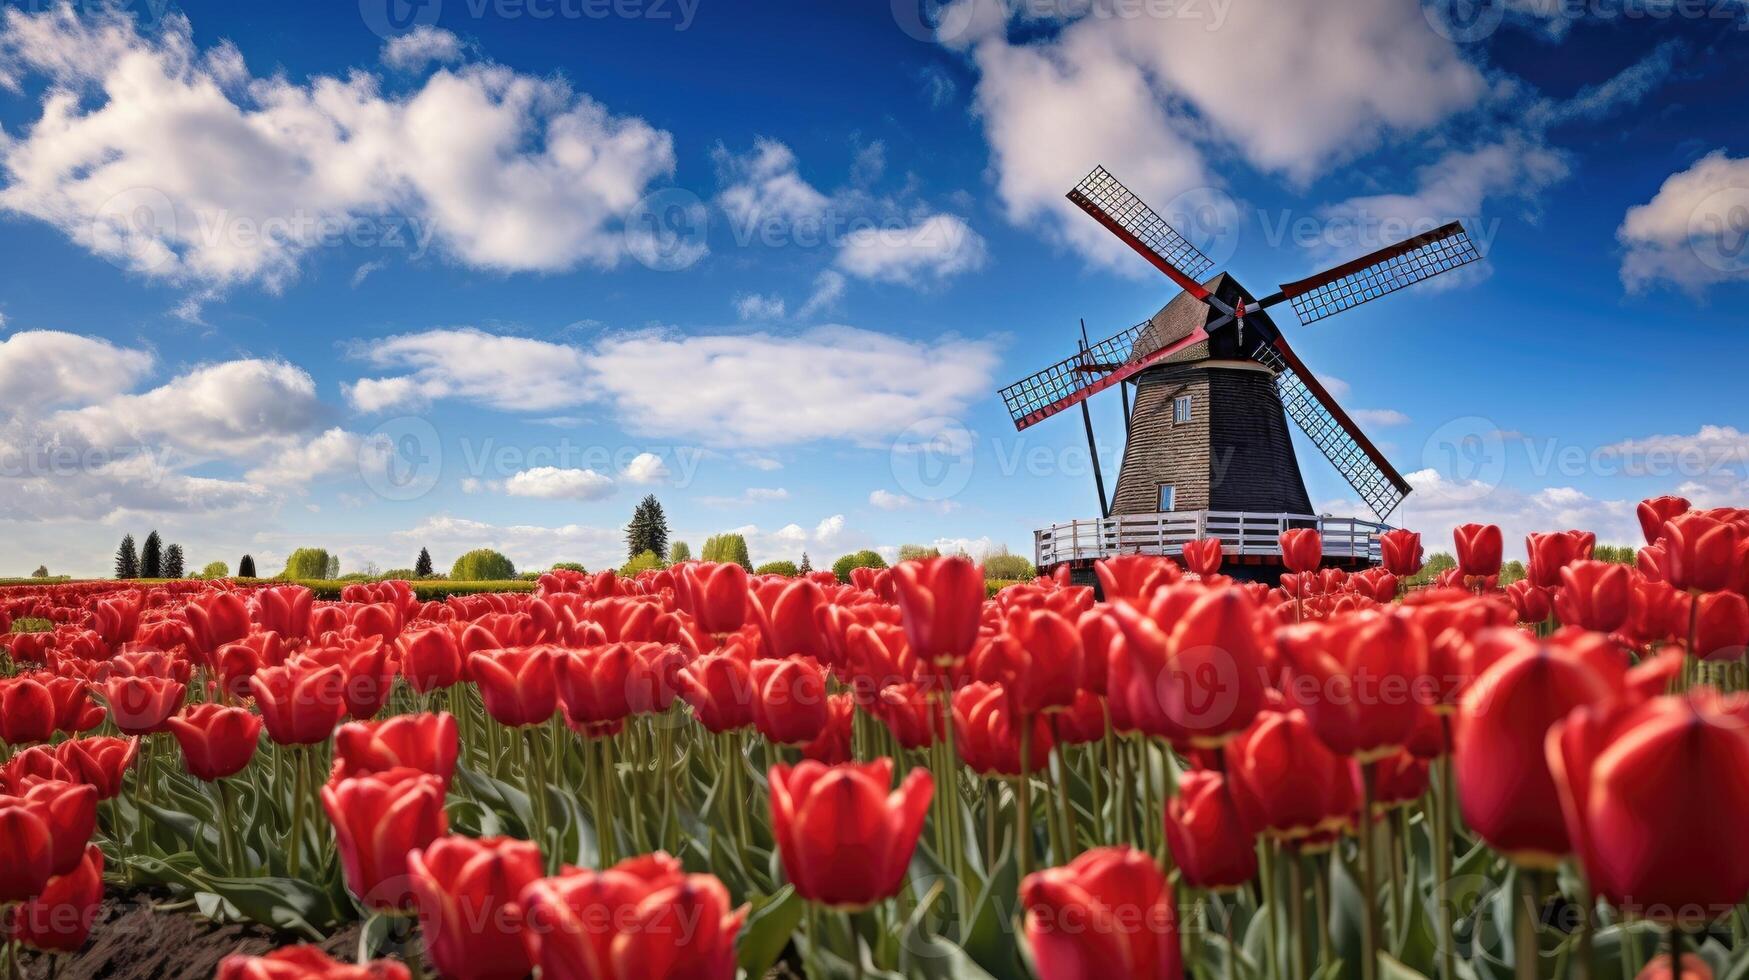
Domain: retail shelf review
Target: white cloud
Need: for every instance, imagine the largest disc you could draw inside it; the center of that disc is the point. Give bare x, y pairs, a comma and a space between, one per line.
333, 452
830, 530
767, 494
556, 483
507, 373
1685, 235
1439, 504
421, 46
42, 369
887, 500
936, 248
1150, 96
751, 495
530, 547
765, 389
828, 290
504, 171
229, 409
754, 306
765, 464
646, 468
764, 187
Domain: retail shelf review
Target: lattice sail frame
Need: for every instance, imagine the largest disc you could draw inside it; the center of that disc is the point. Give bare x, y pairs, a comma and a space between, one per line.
1036, 397
1369, 480
1381, 273
1141, 227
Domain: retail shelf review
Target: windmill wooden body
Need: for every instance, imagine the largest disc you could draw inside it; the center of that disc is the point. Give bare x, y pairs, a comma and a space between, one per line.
1208, 386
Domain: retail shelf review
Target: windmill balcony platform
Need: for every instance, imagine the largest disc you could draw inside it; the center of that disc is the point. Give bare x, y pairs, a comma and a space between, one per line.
1250, 542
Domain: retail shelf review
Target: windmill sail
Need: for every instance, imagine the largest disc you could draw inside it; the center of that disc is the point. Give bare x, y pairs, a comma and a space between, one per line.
1382, 272
1333, 432
1093, 369
1141, 228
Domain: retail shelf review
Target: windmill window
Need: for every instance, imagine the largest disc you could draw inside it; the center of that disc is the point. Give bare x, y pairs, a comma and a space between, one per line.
1181, 410
1168, 496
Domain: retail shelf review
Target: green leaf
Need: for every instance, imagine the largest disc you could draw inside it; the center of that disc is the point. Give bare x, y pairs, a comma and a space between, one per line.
506, 801
770, 924
989, 938
923, 954
1391, 968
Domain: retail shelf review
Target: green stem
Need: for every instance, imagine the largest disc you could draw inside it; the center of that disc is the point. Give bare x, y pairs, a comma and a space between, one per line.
1442, 850
1296, 900
1266, 881
294, 844
604, 833
1321, 909
537, 797
1023, 803
228, 837
1066, 803
1368, 879
1525, 944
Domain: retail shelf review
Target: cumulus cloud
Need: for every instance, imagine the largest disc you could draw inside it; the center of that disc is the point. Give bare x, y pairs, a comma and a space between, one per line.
646, 468
556, 483
41, 369
1379, 417
1150, 97
1689, 234
1440, 503
756, 306
768, 389
765, 186
421, 46
229, 409
504, 171
936, 248
888, 500
507, 373
333, 452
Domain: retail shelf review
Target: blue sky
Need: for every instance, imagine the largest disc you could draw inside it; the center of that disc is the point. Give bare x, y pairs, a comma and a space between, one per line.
484, 272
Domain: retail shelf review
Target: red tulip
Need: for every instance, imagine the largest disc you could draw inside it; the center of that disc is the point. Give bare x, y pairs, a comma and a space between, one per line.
1202, 556
941, 600
1190, 668
142, 705
430, 658
715, 593
71, 809
1655, 511
1396, 781
305, 963
845, 840
1553, 551
1286, 781
27, 711
1209, 839
1036, 658
426, 742
594, 683
378, 819
1361, 680
1108, 914
1081, 722
785, 610
1721, 628
150, 663
1700, 552
117, 619
1654, 804
59, 919
1532, 602
1400, 552
1595, 595
789, 700
719, 688
238, 662
99, 761
987, 734
1137, 576
1504, 786
284, 609
27, 848
468, 892
910, 712
1302, 549
1694, 967
519, 685
619, 924
216, 741
832, 746
300, 701
364, 665
1479, 548
217, 618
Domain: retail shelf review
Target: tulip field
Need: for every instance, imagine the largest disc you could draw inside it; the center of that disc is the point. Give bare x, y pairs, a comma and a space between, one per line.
700, 773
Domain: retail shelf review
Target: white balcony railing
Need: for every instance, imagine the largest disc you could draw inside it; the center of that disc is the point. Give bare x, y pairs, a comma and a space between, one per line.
1165, 534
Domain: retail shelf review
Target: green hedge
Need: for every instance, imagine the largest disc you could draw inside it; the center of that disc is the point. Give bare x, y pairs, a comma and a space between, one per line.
425, 590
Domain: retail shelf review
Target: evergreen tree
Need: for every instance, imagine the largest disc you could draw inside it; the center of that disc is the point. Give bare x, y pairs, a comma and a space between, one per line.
648, 530
806, 566
246, 566
173, 561
422, 567
127, 562
152, 557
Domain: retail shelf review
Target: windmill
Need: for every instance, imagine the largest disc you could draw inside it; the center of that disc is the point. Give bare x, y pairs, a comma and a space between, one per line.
1207, 449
